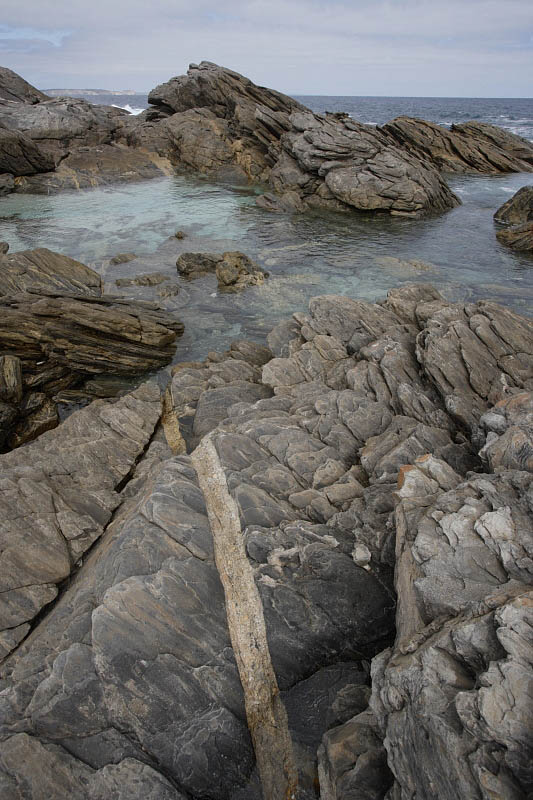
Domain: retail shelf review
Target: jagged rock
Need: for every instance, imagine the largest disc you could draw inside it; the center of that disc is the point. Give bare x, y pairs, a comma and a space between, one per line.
20, 155
59, 492
509, 433
236, 271
150, 279
519, 237
13, 87
87, 167
85, 335
518, 209
193, 265
350, 472
475, 355
44, 271
471, 147
61, 124
343, 164
7, 183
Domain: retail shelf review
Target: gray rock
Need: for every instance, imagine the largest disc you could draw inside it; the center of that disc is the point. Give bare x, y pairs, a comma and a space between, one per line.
192, 265
58, 494
20, 155
13, 87
472, 147
518, 209
518, 237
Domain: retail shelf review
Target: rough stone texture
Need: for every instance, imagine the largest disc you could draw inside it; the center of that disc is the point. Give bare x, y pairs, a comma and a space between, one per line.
13, 87
476, 355
7, 183
352, 476
519, 237
518, 209
57, 328
61, 124
473, 147
58, 494
44, 271
236, 271
87, 167
20, 155
342, 164
193, 265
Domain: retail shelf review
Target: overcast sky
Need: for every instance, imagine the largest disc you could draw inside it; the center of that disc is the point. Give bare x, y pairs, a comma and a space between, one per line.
463, 48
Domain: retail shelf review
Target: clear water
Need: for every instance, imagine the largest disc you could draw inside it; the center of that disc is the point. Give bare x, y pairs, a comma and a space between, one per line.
306, 254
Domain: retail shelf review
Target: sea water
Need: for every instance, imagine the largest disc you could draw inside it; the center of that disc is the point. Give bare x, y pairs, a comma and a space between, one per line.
359, 255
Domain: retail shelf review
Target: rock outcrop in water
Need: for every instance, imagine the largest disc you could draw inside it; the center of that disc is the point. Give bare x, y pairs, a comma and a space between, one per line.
518, 213
218, 122
56, 328
370, 450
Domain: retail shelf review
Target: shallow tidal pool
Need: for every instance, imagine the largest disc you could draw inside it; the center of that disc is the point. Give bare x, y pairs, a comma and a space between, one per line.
306, 254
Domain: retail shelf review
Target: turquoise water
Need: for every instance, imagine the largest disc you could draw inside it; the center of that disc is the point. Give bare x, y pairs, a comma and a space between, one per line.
306, 254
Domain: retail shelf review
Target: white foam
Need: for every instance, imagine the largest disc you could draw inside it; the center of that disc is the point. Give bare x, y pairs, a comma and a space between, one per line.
130, 109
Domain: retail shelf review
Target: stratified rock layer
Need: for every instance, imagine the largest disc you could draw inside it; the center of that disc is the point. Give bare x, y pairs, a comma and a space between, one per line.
351, 473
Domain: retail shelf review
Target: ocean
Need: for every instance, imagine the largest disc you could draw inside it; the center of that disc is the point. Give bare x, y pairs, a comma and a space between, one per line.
307, 254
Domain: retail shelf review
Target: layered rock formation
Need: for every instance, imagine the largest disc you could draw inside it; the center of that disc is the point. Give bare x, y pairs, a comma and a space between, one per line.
370, 448
517, 212
56, 329
215, 121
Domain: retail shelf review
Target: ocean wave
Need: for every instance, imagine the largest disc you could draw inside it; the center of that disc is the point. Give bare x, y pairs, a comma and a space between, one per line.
131, 109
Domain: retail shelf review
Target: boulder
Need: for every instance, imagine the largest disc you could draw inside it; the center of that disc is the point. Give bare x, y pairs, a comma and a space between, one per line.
44, 271
13, 87
193, 265
518, 209
236, 271
518, 237
20, 155
473, 147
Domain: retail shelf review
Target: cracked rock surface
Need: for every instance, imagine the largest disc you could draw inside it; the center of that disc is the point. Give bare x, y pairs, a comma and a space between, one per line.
371, 506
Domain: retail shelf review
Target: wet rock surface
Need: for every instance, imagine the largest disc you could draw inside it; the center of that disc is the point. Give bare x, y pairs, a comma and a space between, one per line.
357, 480
518, 213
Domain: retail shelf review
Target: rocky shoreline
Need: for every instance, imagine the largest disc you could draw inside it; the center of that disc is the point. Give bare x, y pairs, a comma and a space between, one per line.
214, 121
372, 452
296, 569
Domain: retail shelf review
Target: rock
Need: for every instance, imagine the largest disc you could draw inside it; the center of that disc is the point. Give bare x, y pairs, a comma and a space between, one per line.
4, 248
87, 335
519, 237
473, 147
150, 279
518, 209
43, 419
45, 271
193, 265
237, 271
59, 492
168, 290
13, 87
20, 155
122, 258
179, 235
87, 167
61, 124
476, 355
7, 183
354, 480
10, 379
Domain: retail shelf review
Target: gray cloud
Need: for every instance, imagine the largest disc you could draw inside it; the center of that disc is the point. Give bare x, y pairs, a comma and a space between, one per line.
391, 47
